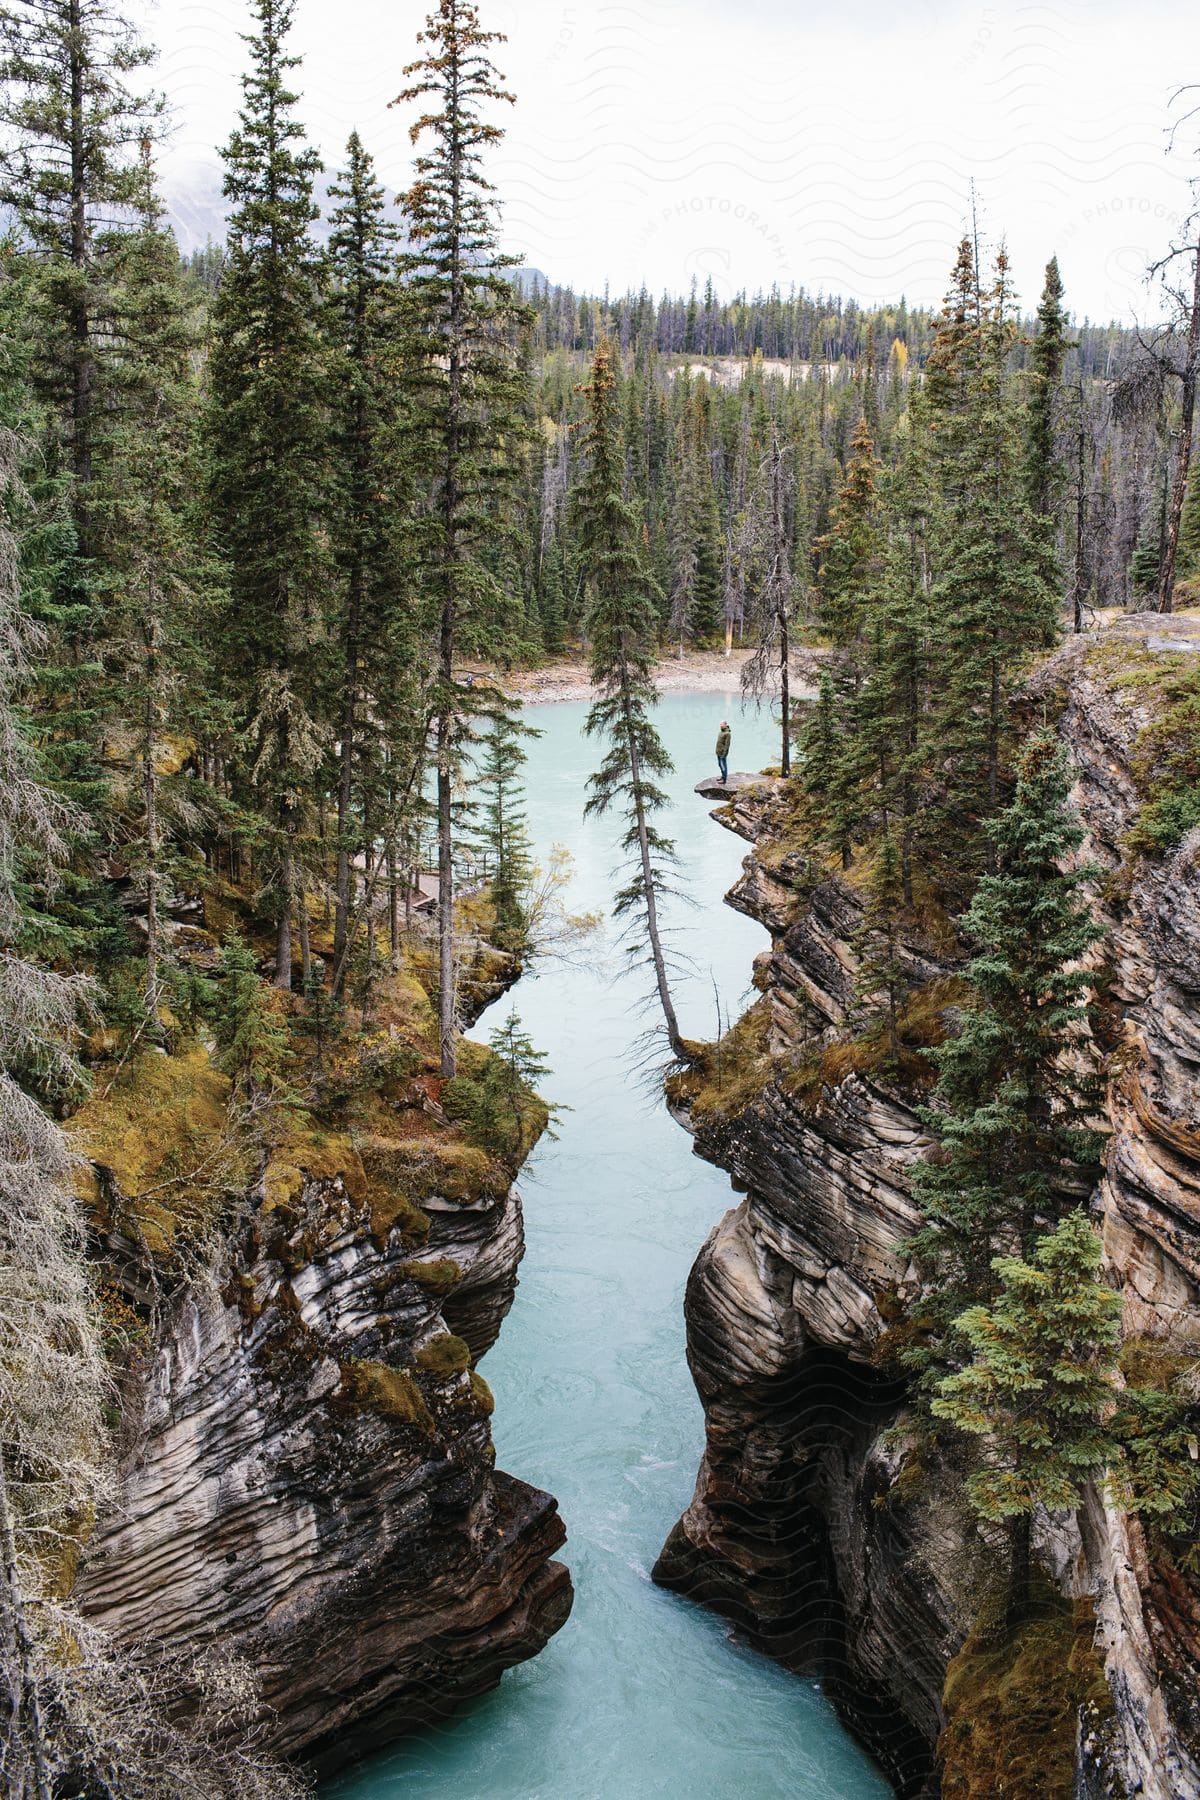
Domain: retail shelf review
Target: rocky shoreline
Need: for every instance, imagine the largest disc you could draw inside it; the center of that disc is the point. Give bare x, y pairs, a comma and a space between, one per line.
811, 1525
308, 1480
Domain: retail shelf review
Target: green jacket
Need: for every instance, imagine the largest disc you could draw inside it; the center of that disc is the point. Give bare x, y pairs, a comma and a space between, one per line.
724, 739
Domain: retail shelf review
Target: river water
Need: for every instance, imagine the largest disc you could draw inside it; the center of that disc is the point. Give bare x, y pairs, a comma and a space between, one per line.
642, 1693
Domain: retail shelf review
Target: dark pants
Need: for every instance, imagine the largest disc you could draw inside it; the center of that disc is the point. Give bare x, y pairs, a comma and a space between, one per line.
723, 765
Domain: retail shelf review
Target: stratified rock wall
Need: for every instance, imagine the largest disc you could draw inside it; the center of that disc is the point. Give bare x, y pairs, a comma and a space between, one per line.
312, 1482
809, 1524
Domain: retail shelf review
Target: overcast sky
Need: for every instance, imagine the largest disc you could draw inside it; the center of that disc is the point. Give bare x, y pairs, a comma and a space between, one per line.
756, 141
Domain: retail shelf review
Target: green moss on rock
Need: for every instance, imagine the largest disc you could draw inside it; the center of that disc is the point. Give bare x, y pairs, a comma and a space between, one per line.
388, 1391
444, 1356
1012, 1701
439, 1277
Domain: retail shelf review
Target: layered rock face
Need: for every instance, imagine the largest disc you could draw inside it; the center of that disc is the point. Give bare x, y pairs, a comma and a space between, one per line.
810, 1525
311, 1483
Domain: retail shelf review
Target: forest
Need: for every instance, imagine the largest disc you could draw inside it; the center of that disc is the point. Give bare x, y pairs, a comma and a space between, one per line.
279, 523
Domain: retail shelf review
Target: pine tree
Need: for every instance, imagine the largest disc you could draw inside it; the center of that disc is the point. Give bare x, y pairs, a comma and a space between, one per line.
73, 175
894, 743
1038, 1387
1043, 461
465, 392
766, 547
990, 589
1015, 1098
1189, 530
375, 632
621, 627
155, 575
849, 552
267, 445
72, 168
504, 836
881, 976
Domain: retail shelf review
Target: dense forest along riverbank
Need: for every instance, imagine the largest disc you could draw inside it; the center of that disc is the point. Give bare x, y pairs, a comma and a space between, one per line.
641, 1694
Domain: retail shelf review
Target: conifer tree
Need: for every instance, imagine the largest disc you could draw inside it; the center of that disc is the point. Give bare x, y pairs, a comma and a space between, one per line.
71, 171
376, 637
1189, 529
1043, 462
895, 746
991, 592
267, 444
1015, 1098
504, 834
881, 976
156, 662
465, 392
621, 628
1037, 1389
767, 544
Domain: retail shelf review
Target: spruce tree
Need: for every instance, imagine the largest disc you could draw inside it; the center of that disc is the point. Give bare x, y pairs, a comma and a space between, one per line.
267, 437
765, 549
375, 633
1043, 461
994, 603
73, 121
466, 396
156, 659
1189, 529
895, 747
503, 833
1037, 1387
1015, 1098
71, 169
621, 628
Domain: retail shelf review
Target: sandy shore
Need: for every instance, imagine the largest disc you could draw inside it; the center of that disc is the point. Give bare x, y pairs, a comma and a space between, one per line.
696, 672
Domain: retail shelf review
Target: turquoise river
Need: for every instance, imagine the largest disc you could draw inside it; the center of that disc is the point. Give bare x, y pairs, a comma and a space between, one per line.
641, 1694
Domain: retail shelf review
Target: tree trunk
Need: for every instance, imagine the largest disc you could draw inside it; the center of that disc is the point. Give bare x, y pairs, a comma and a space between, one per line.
283, 941
24, 1701
1020, 1570
150, 802
656, 950
785, 755
346, 780
1166, 584
81, 349
446, 1006
1078, 585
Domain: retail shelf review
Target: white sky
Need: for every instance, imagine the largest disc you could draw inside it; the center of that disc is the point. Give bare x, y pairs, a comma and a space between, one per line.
830, 145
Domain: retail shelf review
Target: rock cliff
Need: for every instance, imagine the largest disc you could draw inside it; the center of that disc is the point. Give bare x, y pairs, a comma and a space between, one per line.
813, 1525
308, 1478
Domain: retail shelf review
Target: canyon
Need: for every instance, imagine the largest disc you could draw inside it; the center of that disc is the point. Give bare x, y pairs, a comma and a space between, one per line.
814, 1524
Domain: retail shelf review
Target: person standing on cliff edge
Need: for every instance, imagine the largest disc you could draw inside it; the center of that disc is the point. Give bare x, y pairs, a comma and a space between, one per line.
724, 739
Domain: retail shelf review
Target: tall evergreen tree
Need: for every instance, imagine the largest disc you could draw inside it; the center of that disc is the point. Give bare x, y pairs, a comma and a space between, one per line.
156, 656
1037, 1389
503, 828
990, 590
466, 395
622, 627
895, 743
1015, 1098
767, 546
267, 436
376, 636
72, 173
1043, 462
